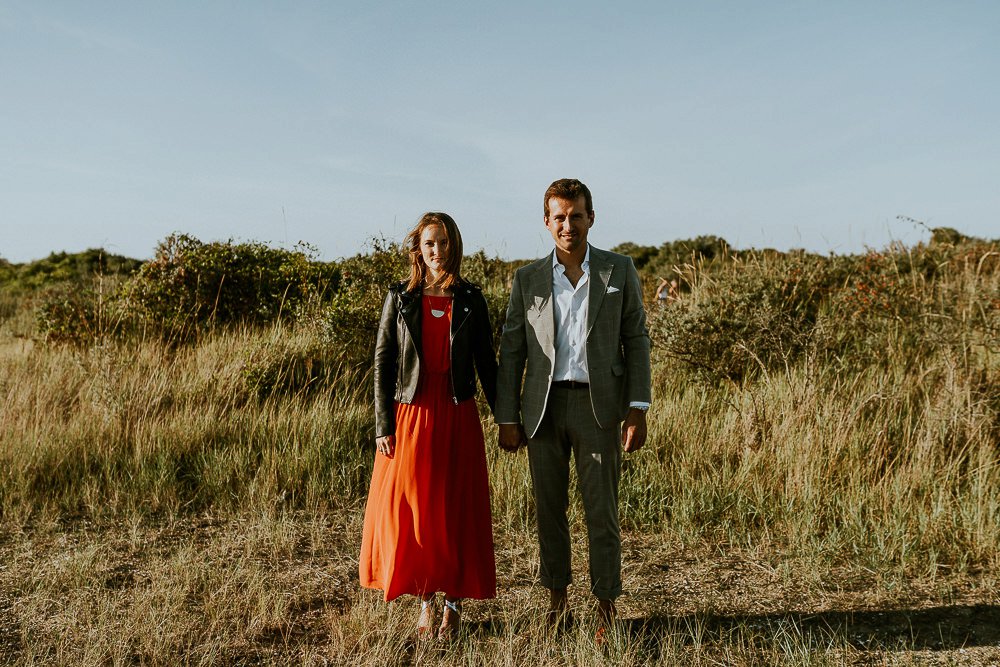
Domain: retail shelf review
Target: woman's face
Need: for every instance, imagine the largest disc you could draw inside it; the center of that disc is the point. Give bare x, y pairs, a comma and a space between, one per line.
434, 249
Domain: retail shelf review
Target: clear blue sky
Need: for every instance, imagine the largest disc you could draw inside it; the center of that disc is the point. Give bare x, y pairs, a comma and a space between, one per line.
772, 124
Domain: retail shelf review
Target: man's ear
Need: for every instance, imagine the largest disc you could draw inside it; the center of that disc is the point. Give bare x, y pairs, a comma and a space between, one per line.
591, 216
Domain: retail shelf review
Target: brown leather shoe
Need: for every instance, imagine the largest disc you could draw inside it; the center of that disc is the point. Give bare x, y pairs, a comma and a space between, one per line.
558, 617
607, 616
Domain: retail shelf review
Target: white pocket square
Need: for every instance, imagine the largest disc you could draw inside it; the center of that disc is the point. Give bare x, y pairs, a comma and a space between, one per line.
612, 289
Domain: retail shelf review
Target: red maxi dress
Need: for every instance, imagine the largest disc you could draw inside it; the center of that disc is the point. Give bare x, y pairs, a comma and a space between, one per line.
427, 521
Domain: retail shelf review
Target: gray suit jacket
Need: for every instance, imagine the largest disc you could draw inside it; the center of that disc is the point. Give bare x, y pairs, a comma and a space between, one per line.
617, 342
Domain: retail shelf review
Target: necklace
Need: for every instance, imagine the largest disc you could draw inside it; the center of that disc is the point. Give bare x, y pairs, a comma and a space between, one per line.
437, 312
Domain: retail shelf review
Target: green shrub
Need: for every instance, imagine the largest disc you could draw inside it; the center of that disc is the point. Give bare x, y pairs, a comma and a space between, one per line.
9, 305
761, 311
63, 267
494, 275
348, 323
82, 313
701, 251
751, 316
7, 271
190, 286
70, 290
640, 254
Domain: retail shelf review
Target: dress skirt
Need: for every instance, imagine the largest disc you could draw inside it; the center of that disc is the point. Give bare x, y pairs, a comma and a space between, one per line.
427, 524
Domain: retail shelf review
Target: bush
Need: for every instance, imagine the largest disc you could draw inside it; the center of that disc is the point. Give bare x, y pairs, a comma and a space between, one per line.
82, 314
9, 305
763, 311
187, 287
750, 317
494, 275
62, 267
687, 252
7, 271
71, 290
349, 322
640, 254
190, 286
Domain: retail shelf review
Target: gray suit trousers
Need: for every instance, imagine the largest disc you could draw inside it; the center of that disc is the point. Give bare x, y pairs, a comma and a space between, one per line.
569, 428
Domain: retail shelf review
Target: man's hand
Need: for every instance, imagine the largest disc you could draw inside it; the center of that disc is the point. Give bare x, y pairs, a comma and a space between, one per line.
634, 430
511, 437
386, 445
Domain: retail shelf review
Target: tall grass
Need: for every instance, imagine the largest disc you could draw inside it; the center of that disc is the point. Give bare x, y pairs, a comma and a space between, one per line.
124, 428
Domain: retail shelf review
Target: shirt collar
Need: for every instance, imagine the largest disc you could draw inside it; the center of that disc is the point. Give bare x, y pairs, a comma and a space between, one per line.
559, 268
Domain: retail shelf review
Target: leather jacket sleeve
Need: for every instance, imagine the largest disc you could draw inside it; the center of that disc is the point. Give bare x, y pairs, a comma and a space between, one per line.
386, 368
485, 357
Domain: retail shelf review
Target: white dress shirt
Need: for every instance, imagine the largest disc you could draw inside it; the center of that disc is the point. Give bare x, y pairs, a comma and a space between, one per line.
570, 305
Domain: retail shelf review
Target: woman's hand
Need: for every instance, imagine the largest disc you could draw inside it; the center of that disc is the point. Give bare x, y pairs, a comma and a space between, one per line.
386, 445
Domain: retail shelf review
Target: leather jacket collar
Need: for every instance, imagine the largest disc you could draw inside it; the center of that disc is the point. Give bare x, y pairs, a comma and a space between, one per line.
409, 307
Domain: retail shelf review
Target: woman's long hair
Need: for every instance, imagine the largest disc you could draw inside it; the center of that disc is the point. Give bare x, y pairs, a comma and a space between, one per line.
452, 265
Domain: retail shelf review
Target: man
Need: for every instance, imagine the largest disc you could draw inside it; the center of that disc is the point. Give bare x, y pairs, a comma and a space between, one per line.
576, 332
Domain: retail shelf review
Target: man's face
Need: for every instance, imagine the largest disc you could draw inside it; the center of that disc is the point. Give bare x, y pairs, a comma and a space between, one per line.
568, 222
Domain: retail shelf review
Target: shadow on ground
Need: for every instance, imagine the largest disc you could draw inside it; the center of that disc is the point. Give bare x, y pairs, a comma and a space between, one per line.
934, 628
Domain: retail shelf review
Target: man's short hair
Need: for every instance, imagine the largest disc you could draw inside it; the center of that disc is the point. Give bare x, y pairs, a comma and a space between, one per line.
569, 189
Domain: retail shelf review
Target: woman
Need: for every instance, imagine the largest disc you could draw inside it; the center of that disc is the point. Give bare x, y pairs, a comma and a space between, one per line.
427, 522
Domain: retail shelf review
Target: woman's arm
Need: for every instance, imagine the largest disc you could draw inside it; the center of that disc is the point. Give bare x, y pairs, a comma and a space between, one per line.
386, 368
486, 361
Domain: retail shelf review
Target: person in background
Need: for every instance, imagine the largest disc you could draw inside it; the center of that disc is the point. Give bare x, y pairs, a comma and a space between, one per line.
427, 525
667, 291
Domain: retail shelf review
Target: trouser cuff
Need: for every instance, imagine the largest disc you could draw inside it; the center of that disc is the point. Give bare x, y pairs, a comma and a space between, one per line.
556, 583
606, 593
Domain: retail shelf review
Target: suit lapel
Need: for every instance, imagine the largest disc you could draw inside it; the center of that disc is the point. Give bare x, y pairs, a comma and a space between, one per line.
540, 311
600, 278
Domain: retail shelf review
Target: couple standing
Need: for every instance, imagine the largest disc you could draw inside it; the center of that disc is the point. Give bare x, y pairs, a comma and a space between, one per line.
573, 382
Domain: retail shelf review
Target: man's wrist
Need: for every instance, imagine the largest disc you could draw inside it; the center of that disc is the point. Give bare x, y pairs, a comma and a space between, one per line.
639, 405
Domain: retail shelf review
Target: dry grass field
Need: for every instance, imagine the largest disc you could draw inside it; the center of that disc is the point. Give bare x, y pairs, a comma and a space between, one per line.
835, 500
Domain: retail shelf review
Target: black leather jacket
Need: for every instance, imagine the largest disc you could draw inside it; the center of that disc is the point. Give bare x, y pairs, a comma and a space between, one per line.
397, 351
